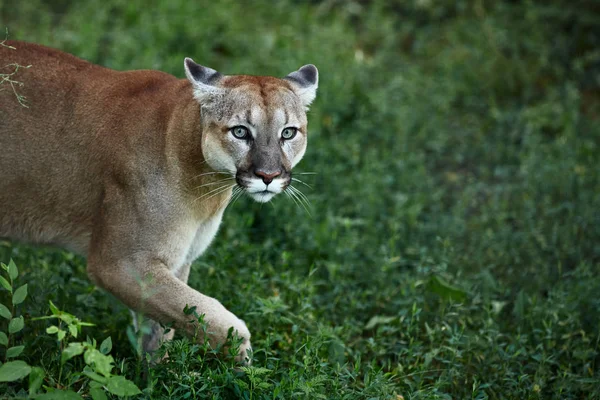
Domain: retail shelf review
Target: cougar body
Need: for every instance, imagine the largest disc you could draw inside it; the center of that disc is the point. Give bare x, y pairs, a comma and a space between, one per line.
134, 169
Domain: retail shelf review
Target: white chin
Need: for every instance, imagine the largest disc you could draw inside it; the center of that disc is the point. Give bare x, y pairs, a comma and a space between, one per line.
262, 197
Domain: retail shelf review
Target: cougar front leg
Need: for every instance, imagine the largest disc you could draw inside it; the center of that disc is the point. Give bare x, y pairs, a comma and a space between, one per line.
155, 334
146, 285
137, 243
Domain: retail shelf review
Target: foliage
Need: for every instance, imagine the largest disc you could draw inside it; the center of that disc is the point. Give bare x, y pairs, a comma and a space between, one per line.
99, 364
453, 247
12, 370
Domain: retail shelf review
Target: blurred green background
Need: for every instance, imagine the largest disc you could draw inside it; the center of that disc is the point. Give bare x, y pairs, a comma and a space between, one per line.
453, 244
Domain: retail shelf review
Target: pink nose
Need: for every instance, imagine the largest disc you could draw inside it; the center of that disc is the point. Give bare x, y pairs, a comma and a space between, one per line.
266, 177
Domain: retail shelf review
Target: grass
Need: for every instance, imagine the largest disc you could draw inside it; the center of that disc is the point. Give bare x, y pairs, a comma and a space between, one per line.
453, 248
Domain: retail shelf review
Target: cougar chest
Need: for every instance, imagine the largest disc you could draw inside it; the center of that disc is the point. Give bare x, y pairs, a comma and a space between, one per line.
203, 237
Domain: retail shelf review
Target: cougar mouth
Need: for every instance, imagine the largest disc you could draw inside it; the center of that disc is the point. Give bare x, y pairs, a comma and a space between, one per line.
262, 196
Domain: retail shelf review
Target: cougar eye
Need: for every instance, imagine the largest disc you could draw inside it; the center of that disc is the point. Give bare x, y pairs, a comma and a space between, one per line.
289, 133
240, 132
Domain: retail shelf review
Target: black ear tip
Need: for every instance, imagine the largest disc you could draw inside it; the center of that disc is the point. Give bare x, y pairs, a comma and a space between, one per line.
200, 73
194, 69
191, 65
309, 73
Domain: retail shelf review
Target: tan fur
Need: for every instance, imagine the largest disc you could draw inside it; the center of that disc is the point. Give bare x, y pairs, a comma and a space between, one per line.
111, 165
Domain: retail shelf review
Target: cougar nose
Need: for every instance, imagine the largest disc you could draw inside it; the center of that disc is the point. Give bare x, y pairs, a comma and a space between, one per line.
266, 177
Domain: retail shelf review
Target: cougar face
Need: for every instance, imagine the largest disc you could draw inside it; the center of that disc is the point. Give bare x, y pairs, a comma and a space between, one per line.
254, 128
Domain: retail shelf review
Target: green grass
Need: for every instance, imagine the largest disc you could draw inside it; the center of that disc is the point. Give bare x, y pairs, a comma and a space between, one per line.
453, 250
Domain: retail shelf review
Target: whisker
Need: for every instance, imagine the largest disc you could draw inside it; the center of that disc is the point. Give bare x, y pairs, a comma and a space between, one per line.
213, 191
305, 173
213, 173
298, 192
302, 197
227, 201
240, 194
234, 193
223, 202
288, 194
302, 203
295, 194
225, 189
214, 183
302, 182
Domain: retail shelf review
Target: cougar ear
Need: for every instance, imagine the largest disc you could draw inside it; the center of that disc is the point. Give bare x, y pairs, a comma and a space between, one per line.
305, 82
203, 79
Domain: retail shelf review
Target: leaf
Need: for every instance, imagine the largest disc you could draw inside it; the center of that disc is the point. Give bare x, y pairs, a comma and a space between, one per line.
72, 350
98, 394
497, 306
14, 351
61, 335
5, 284
36, 378
53, 308
19, 295
13, 271
73, 330
68, 318
87, 371
133, 340
444, 289
120, 386
16, 324
336, 352
59, 395
13, 371
43, 318
378, 320
242, 384
52, 329
106, 346
5, 312
97, 385
255, 371
3, 339
99, 362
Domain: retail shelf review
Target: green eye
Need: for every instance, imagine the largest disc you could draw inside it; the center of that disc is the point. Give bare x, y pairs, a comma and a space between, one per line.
289, 133
240, 132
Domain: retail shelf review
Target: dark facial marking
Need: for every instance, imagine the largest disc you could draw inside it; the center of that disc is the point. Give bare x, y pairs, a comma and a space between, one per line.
248, 117
263, 95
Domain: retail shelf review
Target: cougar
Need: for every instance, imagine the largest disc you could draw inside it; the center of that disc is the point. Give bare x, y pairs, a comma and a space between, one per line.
134, 169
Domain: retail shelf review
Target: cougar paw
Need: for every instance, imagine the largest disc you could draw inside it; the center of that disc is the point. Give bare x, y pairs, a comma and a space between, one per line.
244, 356
245, 350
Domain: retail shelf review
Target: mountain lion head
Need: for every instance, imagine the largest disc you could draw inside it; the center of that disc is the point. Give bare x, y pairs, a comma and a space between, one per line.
254, 127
